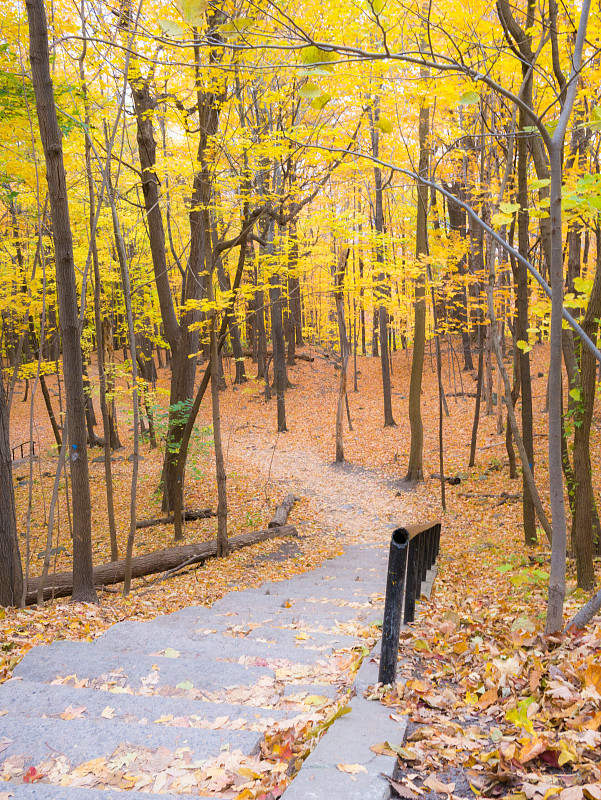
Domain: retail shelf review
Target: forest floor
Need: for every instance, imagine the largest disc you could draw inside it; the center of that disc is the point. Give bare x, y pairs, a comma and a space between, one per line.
484, 689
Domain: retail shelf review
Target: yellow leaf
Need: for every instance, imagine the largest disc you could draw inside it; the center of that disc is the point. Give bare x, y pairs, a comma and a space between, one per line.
315, 700
383, 749
352, 769
592, 676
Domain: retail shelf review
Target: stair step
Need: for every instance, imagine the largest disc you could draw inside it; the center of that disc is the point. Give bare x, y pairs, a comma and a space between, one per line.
268, 641
81, 740
43, 700
44, 791
101, 668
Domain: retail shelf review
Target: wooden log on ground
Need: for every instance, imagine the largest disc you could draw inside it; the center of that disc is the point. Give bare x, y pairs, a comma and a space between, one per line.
504, 496
204, 513
281, 513
300, 356
151, 563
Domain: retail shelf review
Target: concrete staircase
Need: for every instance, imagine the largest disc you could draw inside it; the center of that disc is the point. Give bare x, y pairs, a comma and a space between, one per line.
146, 706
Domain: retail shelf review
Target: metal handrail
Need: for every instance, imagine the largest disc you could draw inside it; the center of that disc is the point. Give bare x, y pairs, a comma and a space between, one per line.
21, 446
413, 551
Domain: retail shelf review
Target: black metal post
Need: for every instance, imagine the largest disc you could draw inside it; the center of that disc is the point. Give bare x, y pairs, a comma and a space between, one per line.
391, 625
425, 564
411, 587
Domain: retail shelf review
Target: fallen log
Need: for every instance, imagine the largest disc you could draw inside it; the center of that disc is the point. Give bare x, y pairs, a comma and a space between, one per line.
301, 356
151, 563
281, 513
503, 497
204, 513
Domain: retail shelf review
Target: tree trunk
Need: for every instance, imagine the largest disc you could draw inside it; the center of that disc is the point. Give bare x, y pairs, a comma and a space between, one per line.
472, 460
11, 571
125, 281
582, 534
415, 469
344, 351
83, 586
521, 333
382, 293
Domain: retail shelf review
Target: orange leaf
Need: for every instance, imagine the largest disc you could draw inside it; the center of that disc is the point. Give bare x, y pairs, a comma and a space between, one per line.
488, 698
32, 775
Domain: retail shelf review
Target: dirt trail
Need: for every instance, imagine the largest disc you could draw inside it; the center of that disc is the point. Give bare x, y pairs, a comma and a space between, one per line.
360, 504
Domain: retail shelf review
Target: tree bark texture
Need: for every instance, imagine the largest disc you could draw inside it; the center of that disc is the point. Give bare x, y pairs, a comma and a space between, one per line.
51, 136
415, 468
344, 352
522, 324
11, 571
582, 535
383, 292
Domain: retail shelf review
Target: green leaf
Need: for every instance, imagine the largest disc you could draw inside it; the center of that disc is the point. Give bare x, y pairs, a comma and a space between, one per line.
501, 219
318, 103
595, 120
184, 685
504, 568
509, 208
384, 124
523, 624
232, 30
523, 346
469, 98
310, 90
583, 284
193, 11
540, 184
575, 394
313, 55
171, 28
377, 6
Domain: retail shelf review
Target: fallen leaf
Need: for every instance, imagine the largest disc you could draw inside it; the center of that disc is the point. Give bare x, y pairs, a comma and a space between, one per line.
400, 788
437, 786
382, 749
352, 769
32, 775
489, 698
592, 676
73, 713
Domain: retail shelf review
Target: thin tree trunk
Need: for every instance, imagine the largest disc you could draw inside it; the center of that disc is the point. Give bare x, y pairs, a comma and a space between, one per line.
122, 256
472, 460
415, 468
11, 570
50, 531
344, 351
83, 586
